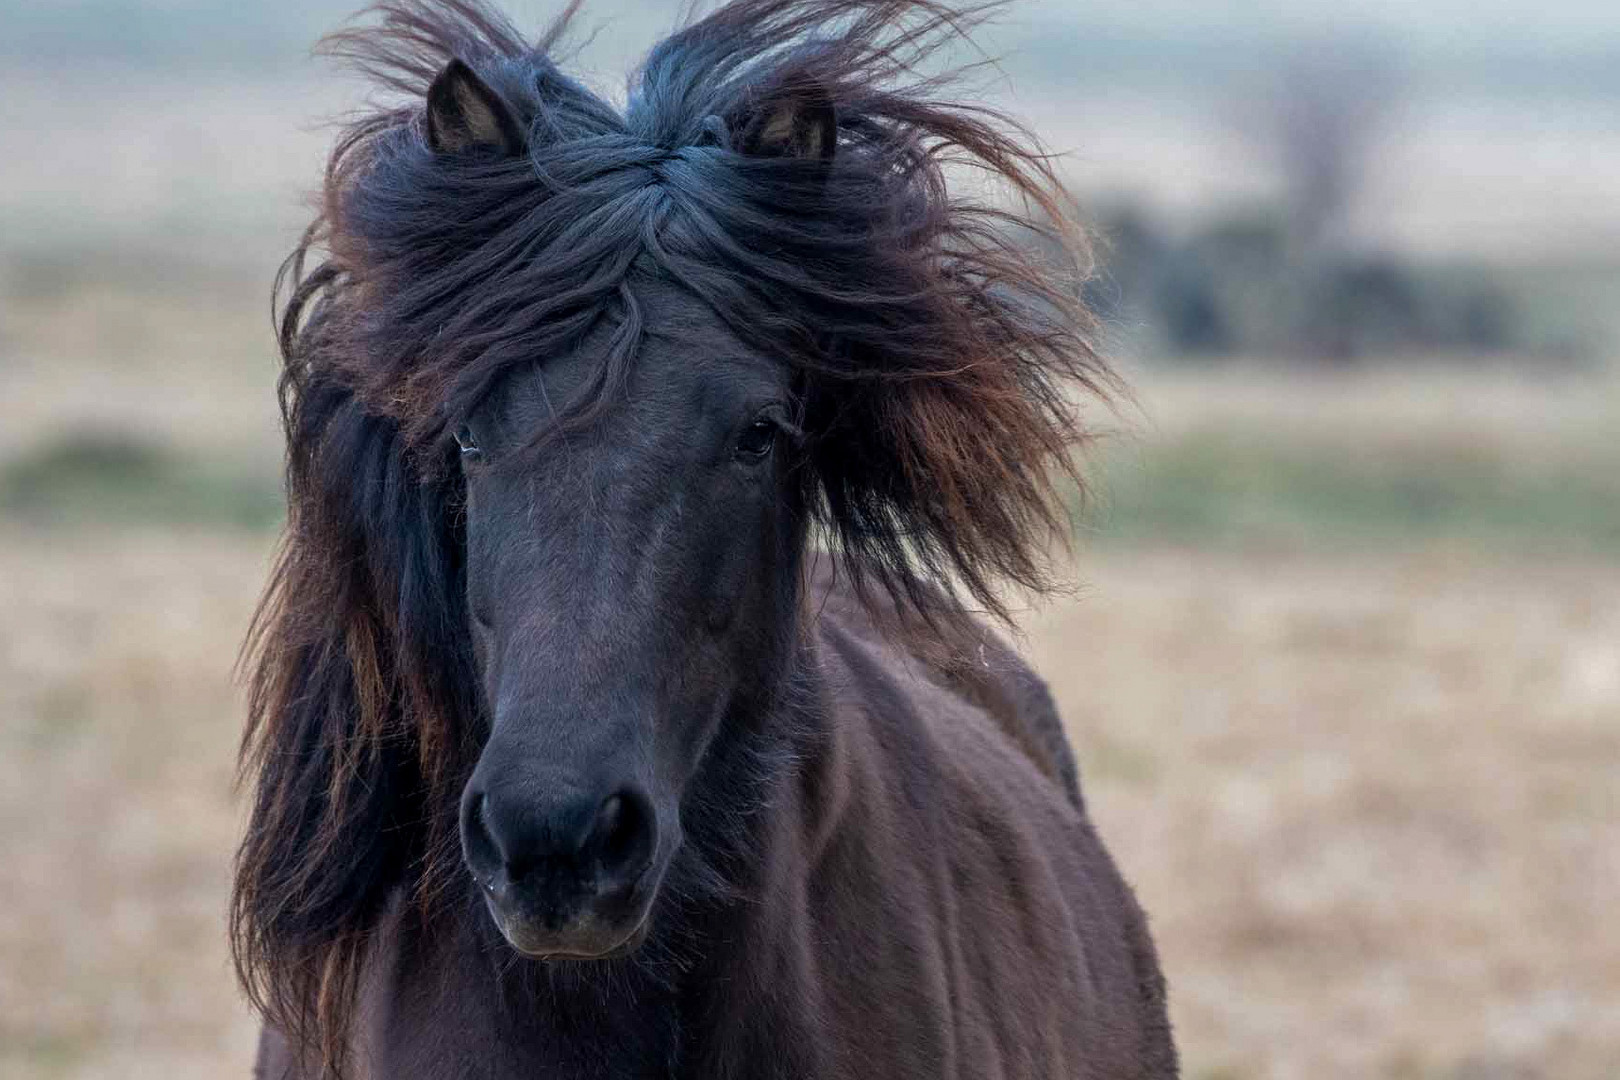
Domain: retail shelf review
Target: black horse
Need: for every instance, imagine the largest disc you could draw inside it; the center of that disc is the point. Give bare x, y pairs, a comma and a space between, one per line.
617, 710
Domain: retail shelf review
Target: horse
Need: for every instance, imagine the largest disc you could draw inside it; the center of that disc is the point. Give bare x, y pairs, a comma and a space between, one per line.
625, 700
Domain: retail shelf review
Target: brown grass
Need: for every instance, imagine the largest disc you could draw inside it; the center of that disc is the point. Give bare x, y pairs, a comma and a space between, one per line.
116, 808
1370, 805
1369, 799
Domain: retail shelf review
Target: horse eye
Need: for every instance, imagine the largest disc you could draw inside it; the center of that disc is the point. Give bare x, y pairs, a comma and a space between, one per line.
757, 439
465, 440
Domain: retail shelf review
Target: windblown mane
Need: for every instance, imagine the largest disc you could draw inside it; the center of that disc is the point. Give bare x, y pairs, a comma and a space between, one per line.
935, 352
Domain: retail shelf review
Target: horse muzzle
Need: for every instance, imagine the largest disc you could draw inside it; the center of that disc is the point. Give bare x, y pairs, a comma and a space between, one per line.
568, 873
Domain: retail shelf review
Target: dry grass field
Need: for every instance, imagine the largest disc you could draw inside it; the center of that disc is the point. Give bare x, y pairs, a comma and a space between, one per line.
1342, 667
1367, 780
1371, 804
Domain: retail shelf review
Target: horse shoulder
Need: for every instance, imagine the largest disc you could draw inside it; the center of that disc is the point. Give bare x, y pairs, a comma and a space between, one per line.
973, 662
972, 905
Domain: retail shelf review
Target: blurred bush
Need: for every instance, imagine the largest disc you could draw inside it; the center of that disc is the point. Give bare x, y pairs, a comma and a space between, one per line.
1296, 276
104, 477
1223, 486
1242, 284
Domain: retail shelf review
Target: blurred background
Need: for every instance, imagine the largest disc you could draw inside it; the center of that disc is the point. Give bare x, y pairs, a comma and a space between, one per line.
1343, 669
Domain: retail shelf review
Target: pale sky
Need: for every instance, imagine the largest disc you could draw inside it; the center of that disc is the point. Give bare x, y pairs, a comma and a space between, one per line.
1567, 23
1577, 25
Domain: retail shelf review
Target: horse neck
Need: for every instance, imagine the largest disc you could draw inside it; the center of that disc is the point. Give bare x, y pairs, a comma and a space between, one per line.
746, 808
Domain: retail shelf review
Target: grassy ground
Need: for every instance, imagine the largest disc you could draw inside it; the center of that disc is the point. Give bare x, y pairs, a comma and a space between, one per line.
116, 803
1397, 457
1370, 803
1344, 678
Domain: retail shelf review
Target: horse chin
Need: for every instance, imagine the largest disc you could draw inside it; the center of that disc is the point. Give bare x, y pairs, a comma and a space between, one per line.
586, 937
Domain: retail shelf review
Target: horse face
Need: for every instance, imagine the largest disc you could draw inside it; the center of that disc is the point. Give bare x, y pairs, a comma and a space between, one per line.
630, 579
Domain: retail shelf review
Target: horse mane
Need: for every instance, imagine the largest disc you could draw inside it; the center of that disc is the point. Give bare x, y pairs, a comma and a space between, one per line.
935, 347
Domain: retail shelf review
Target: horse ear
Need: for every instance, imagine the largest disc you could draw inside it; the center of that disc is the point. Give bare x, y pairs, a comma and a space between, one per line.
464, 113
798, 121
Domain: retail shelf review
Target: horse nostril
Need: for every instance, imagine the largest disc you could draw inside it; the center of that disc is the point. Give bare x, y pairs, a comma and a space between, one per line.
570, 841
482, 823
610, 835
622, 835
482, 847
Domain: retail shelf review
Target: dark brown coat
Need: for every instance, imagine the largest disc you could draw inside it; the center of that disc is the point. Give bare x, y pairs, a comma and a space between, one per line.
569, 758
933, 904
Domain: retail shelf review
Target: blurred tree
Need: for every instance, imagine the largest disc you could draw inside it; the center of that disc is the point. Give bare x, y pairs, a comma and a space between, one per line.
1319, 118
